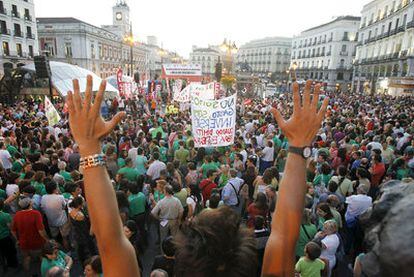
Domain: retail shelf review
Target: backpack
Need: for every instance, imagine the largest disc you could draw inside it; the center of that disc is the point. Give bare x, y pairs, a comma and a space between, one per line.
237, 192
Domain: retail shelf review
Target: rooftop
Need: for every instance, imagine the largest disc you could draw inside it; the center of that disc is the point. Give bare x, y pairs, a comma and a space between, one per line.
340, 18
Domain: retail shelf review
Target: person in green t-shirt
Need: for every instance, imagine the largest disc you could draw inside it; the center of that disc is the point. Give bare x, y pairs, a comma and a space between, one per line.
311, 265
182, 155
62, 171
38, 183
18, 163
136, 199
53, 257
6, 243
207, 166
307, 232
129, 172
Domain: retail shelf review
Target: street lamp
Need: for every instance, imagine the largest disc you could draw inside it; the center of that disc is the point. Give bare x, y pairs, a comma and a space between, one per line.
230, 48
130, 41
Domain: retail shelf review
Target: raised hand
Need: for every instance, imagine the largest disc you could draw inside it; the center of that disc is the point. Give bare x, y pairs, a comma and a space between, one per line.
306, 120
85, 120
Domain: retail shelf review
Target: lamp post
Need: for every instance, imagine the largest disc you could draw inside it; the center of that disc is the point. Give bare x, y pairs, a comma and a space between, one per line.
130, 41
229, 48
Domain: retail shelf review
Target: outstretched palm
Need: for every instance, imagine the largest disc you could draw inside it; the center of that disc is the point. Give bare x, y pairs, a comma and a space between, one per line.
86, 122
305, 122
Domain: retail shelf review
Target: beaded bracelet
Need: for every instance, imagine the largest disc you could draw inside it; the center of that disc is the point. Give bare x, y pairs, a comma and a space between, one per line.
92, 161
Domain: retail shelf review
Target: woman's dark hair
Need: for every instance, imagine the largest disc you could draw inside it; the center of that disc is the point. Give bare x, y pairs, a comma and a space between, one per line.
76, 202
362, 172
214, 201
192, 166
251, 171
49, 247
95, 263
259, 222
122, 199
215, 244
132, 226
275, 172
50, 187
325, 169
140, 151
168, 246
267, 176
261, 201
326, 209
342, 154
342, 170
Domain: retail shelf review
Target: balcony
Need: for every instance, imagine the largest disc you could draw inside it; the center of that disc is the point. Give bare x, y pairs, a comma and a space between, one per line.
28, 17
3, 11
410, 24
18, 34
343, 53
30, 36
324, 41
395, 55
15, 14
328, 53
403, 53
400, 29
5, 32
330, 39
393, 32
345, 38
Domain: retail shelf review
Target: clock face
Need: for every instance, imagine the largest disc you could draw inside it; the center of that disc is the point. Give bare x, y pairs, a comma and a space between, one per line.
307, 152
118, 16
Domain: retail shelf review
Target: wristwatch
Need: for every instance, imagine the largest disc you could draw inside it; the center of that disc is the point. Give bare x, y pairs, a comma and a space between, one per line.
305, 152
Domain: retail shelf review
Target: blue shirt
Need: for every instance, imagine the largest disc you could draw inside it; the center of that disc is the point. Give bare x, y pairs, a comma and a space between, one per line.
230, 194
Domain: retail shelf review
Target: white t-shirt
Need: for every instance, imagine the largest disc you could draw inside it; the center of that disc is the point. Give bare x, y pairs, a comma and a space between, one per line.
53, 205
331, 242
191, 202
4, 159
268, 154
11, 189
132, 154
155, 168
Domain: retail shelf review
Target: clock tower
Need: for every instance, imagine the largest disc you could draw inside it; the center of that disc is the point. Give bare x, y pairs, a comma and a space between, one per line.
120, 14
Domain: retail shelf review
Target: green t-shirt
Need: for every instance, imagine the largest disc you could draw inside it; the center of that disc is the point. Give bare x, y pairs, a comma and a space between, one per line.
5, 219
304, 238
157, 130
163, 153
182, 196
3, 194
48, 264
40, 188
12, 150
308, 268
17, 165
121, 162
223, 180
66, 175
130, 173
207, 167
136, 204
182, 156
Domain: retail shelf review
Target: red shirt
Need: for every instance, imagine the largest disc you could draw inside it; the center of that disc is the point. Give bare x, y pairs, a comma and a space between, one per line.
27, 225
378, 171
206, 187
253, 211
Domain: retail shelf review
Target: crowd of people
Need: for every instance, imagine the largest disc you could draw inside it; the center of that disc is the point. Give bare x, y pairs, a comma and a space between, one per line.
162, 182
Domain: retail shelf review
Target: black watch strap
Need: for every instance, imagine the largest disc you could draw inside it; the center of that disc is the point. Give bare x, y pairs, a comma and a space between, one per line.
297, 150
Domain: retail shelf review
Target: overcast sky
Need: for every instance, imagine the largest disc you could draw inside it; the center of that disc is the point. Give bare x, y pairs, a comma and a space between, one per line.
179, 24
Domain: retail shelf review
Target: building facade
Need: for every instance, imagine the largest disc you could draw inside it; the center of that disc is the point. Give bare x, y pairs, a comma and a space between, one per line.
267, 56
384, 62
207, 57
120, 20
18, 33
325, 53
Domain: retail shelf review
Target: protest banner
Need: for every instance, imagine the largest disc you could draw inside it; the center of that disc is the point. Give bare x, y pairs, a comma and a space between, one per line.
51, 113
205, 92
213, 121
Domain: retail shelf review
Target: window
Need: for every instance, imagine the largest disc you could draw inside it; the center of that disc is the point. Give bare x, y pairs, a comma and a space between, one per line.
397, 23
19, 50
27, 15
93, 51
31, 51
6, 50
2, 10
346, 36
29, 32
389, 27
404, 20
68, 49
17, 30
3, 27
340, 76
382, 29
48, 46
343, 48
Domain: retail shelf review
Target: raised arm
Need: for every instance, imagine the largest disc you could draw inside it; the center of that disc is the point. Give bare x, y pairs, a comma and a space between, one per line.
300, 129
88, 127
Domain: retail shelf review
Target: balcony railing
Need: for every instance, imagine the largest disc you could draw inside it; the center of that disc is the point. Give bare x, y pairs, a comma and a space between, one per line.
345, 38
3, 11
403, 53
15, 14
400, 29
18, 34
328, 53
5, 32
343, 53
31, 36
27, 17
410, 24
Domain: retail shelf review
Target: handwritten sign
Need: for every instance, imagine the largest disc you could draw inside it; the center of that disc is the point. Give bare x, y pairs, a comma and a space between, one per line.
213, 121
51, 113
205, 92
